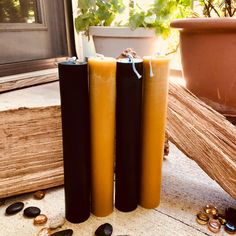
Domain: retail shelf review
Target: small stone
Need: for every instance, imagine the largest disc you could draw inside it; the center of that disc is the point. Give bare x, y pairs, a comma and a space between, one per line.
221, 219
40, 219
2, 201
166, 145
202, 218
214, 226
56, 221
210, 209
104, 230
201, 222
230, 228
39, 195
31, 212
44, 232
67, 232
14, 208
230, 215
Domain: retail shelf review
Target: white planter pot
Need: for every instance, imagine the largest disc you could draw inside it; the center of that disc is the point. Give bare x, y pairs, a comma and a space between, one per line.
84, 46
111, 41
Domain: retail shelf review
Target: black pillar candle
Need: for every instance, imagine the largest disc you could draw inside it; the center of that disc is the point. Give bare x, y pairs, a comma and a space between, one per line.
128, 109
76, 139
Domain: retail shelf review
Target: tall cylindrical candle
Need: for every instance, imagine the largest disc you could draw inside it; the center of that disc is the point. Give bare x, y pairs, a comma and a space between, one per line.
76, 137
128, 112
155, 92
102, 71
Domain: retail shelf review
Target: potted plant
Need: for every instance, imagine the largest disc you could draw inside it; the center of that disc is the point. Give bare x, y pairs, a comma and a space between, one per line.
208, 49
139, 31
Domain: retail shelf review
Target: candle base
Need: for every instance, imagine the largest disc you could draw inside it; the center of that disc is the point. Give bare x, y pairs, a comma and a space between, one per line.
101, 214
150, 205
73, 218
123, 208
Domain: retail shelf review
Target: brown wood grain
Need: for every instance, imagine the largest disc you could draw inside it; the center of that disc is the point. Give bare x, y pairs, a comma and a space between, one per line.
204, 135
18, 81
30, 150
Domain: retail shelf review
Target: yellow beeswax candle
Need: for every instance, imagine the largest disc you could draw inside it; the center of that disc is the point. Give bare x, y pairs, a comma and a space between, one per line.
154, 109
102, 72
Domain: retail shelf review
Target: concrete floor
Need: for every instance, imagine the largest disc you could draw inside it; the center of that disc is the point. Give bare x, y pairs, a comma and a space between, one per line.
186, 189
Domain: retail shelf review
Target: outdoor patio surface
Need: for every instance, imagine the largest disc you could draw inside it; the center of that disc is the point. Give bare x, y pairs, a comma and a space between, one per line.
185, 191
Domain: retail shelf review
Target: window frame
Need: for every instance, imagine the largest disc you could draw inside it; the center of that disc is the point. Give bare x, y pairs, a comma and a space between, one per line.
14, 27
7, 69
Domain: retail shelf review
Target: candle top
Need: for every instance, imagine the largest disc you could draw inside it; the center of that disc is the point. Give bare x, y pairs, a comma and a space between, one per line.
157, 58
71, 63
101, 59
128, 60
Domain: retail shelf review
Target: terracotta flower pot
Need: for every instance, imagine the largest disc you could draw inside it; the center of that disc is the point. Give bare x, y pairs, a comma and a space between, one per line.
208, 54
111, 41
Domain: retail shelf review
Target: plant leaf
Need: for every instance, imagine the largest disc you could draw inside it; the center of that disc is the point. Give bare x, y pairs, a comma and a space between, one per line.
84, 5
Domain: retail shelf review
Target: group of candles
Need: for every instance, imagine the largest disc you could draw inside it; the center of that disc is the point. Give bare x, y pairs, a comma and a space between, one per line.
113, 120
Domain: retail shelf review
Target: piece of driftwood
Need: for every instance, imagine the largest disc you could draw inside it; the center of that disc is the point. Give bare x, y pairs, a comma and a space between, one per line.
30, 150
31, 143
203, 135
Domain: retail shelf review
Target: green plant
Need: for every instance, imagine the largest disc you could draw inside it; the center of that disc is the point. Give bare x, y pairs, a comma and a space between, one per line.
97, 13
158, 16
220, 8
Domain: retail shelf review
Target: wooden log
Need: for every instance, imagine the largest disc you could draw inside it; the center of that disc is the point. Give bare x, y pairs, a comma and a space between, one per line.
30, 150
203, 135
31, 143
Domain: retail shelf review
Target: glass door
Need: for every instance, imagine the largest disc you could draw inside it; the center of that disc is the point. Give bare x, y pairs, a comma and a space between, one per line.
32, 30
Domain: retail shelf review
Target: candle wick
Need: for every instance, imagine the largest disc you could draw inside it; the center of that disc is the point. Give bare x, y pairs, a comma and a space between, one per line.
131, 59
72, 60
100, 55
150, 65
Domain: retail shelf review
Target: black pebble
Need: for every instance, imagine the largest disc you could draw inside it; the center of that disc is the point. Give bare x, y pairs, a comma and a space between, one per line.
31, 212
104, 230
14, 208
67, 232
230, 227
230, 214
